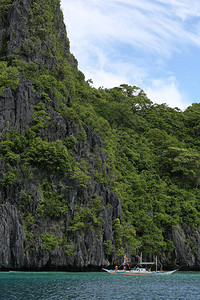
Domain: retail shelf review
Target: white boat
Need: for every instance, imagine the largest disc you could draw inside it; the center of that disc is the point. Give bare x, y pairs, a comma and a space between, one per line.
140, 270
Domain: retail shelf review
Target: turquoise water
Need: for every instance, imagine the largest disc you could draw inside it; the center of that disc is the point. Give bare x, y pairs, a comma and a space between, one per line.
49, 285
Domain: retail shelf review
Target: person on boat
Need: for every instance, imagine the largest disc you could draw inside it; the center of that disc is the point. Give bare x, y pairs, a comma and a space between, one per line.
116, 268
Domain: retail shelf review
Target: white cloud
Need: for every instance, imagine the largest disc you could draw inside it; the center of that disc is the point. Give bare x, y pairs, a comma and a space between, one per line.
154, 25
122, 41
183, 9
166, 91
109, 74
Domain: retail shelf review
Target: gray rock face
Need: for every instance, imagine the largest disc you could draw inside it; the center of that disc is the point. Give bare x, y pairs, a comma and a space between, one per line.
16, 108
29, 240
187, 247
16, 252
12, 236
18, 27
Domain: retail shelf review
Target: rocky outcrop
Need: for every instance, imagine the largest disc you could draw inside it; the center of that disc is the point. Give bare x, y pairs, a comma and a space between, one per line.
25, 34
19, 251
187, 247
16, 108
12, 237
32, 33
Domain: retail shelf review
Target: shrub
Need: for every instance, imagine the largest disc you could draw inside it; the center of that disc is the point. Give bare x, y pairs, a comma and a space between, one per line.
50, 241
8, 77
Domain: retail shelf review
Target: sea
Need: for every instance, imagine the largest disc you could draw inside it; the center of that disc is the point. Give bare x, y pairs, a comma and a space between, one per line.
98, 285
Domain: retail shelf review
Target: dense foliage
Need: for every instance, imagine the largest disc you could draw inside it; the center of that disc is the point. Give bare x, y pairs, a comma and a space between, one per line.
152, 150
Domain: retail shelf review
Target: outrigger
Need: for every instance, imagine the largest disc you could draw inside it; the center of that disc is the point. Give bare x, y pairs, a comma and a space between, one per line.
138, 270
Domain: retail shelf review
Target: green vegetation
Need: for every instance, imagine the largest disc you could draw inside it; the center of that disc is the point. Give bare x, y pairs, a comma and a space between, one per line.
50, 241
8, 77
70, 249
153, 154
52, 203
87, 217
109, 247
4, 7
29, 222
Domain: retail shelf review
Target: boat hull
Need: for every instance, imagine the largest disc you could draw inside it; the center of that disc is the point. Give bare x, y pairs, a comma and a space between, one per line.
140, 272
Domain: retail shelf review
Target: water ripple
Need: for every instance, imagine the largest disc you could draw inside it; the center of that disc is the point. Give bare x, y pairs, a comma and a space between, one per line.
98, 286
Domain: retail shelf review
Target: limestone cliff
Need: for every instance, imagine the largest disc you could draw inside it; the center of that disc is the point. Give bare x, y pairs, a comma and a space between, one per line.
34, 236
58, 208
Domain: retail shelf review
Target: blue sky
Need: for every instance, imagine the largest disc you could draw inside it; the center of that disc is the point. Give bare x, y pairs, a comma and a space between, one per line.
153, 44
